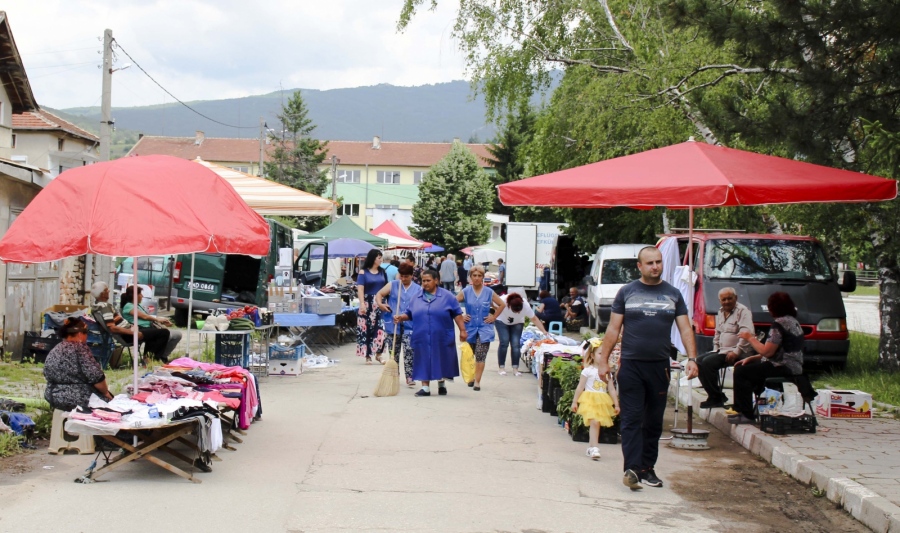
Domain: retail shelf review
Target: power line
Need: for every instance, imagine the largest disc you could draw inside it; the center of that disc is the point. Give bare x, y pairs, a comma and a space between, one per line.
119, 46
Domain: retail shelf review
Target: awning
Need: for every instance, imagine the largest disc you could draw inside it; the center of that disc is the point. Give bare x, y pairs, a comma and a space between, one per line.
267, 197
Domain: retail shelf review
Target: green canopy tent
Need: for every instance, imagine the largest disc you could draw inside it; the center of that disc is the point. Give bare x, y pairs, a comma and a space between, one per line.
490, 252
344, 228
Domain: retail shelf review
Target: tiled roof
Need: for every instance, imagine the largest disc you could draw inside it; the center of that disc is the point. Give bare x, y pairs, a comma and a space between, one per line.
46, 121
399, 154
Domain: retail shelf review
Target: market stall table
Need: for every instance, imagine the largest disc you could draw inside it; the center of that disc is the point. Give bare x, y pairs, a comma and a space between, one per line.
301, 326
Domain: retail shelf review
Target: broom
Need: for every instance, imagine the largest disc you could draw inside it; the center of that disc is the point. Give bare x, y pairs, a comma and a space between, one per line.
389, 384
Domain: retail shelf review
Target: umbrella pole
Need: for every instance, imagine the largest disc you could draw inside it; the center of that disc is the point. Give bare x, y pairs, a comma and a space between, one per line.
134, 324
190, 305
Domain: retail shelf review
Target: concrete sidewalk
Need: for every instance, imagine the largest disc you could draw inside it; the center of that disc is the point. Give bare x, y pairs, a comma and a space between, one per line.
856, 462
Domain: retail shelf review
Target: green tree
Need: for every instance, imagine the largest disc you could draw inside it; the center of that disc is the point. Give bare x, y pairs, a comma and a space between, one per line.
840, 59
454, 200
507, 157
297, 156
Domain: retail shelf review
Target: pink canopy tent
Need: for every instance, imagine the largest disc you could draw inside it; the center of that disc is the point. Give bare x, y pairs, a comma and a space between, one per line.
147, 205
389, 228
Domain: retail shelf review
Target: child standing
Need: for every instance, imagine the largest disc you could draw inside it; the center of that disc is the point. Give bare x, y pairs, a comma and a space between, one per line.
595, 400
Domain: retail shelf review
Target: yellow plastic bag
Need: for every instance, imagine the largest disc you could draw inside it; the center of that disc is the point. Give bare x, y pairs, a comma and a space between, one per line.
467, 363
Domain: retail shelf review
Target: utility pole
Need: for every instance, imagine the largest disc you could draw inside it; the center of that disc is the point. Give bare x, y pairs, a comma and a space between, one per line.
262, 141
334, 164
106, 97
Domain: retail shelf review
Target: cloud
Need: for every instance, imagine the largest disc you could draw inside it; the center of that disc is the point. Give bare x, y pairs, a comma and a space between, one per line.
207, 49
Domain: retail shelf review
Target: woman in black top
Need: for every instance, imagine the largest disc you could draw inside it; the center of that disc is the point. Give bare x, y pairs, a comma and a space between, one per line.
71, 371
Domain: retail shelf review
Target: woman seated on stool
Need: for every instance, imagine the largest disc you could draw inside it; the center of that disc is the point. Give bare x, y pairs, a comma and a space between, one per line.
71, 371
549, 310
780, 356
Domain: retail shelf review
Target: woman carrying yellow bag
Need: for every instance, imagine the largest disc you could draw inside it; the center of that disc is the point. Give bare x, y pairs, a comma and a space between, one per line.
477, 302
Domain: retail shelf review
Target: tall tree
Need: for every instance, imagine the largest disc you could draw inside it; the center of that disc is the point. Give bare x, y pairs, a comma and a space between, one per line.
840, 58
507, 157
454, 200
297, 155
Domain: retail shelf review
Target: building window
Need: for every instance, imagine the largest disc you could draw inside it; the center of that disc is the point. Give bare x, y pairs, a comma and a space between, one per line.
245, 170
60, 170
13, 140
350, 210
386, 206
348, 176
388, 176
60, 144
417, 176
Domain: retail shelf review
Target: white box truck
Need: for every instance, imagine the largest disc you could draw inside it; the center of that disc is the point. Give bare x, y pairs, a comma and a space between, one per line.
531, 246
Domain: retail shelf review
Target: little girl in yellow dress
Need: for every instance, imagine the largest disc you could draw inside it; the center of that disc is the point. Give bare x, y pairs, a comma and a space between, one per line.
595, 399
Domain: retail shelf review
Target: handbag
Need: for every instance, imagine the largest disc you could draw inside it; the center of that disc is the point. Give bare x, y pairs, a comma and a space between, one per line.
467, 363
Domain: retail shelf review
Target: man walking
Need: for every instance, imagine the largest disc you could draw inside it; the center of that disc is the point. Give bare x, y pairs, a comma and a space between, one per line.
646, 308
728, 348
448, 273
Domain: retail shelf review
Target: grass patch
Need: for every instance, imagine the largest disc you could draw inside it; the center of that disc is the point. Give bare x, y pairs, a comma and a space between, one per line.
865, 290
9, 444
862, 372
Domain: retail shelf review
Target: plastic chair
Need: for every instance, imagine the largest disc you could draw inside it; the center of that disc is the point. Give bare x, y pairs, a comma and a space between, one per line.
60, 441
555, 328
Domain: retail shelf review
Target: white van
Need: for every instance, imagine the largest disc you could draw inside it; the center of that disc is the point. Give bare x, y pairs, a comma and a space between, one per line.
614, 266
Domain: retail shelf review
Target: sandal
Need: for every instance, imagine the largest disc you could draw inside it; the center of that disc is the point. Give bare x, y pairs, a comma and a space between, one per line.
368, 360
378, 358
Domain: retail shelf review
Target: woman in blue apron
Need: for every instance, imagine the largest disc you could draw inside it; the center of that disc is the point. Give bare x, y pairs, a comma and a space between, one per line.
478, 301
399, 293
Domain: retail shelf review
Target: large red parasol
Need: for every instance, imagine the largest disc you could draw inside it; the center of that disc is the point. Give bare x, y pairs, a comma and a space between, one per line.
135, 206
694, 174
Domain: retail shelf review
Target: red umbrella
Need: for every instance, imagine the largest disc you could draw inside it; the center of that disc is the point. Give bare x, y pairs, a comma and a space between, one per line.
694, 174
147, 205
134, 206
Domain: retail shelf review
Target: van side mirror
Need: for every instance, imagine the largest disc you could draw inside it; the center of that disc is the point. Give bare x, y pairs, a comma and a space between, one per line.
588, 280
848, 283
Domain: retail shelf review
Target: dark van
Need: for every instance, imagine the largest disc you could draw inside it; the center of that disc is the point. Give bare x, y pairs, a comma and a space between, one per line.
227, 281
757, 265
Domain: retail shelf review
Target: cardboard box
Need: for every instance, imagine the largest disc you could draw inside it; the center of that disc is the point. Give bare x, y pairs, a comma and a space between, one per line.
285, 367
64, 308
844, 404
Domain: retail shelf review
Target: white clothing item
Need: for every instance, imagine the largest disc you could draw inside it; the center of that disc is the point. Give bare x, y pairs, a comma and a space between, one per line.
593, 383
509, 318
215, 435
680, 282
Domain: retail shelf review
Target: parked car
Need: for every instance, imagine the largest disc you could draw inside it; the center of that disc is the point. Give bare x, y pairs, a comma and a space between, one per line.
614, 265
153, 271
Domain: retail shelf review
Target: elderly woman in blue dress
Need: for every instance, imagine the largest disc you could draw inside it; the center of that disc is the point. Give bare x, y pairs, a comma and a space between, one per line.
478, 301
434, 311
399, 293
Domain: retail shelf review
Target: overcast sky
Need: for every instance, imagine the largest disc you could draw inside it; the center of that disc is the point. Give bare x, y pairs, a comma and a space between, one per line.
214, 49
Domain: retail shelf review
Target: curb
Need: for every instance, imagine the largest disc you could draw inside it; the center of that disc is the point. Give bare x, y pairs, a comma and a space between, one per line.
865, 505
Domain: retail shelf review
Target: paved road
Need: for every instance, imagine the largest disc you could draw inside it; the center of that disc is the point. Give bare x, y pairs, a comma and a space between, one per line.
329, 457
862, 314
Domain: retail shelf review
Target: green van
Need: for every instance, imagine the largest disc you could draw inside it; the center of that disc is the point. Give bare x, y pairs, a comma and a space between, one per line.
227, 281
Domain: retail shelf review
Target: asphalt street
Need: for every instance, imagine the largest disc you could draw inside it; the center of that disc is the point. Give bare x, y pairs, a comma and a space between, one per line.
328, 456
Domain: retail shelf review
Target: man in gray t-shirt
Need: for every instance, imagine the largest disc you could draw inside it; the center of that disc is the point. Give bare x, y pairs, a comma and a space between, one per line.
646, 308
448, 273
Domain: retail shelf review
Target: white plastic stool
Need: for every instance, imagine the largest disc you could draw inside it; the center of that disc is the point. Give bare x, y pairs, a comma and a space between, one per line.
60, 441
555, 328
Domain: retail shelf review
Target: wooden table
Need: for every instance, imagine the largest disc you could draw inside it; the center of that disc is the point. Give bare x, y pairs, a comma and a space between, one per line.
150, 440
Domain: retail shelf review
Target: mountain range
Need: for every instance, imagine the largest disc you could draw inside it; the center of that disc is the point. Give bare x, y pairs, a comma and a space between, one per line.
427, 113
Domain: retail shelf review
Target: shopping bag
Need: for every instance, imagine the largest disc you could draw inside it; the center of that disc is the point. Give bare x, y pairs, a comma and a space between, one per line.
467, 363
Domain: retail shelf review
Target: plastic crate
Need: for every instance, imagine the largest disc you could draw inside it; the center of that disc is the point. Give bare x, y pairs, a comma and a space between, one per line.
36, 348
286, 353
233, 350
783, 425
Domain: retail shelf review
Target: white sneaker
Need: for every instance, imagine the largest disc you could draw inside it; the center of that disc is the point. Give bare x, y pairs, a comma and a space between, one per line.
502, 372
518, 373
594, 453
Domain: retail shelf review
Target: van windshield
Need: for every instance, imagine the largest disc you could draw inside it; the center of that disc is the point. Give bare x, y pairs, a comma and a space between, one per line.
619, 271
766, 259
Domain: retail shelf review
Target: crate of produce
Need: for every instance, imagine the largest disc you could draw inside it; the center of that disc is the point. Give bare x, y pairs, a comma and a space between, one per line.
783, 425
286, 353
36, 348
233, 349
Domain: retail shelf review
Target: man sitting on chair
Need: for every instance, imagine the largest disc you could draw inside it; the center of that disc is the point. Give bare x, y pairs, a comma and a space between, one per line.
154, 339
728, 347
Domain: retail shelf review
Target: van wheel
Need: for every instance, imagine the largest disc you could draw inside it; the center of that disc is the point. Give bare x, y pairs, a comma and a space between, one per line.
180, 317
